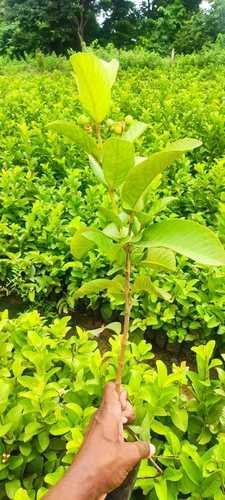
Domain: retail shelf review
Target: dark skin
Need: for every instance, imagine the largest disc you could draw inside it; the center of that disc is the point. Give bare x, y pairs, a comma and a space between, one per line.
104, 459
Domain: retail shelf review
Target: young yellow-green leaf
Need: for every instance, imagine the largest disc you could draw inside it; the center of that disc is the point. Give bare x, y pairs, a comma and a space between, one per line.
118, 159
99, 238
98, 285
11, 487
61, 427
162, 258
103, 242
93, 287
43, 439
179, 417
184, 145
76, 135
80, 245
144, 284
114, 327
94, 82
4, 428
111, 70
161, 488
162, 373
21, 494
97, 169
187, 238
41, 492
162, 293
141, 176
191, 469
53, 477
135, 131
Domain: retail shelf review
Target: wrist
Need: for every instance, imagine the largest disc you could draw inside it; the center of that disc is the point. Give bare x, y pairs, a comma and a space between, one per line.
85, 481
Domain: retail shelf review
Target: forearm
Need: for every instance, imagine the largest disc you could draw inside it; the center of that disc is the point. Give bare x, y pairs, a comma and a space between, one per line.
77, 484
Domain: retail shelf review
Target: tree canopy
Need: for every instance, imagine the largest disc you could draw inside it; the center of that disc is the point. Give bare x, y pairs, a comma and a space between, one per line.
60, 25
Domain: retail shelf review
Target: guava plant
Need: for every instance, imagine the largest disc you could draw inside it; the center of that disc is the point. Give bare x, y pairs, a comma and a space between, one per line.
130, 240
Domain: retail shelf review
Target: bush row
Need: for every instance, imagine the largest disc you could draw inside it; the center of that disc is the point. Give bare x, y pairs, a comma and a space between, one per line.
47, 189
51, 381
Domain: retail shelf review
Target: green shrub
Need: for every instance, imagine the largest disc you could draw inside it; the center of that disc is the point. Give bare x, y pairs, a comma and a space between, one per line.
51, 381
46, 186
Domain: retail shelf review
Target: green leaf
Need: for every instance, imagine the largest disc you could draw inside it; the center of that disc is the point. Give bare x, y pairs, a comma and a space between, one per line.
110, 216
4, 428
161, 488
205, 437
113, 232
97, 169
144, 284
21, 494
162, 258
114, 327
60, 428
111, 70
173, 474
41, 492
162, 373
80, 245
43, 439
76, 135
211, 486
141, 176
191, 469
118, 159
183, 145
31, 429
162, 293
135, 131
15, 462
103, 242
179, 418
54, 477
187, 238
98, 285
12, 487
94, 80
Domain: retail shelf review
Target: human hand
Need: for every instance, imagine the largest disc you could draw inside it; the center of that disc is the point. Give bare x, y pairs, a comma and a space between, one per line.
104, 455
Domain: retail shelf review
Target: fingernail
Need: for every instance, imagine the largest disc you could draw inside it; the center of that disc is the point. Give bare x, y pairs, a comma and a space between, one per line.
124, 420
152, 450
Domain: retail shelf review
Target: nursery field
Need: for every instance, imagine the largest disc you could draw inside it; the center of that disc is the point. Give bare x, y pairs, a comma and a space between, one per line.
49, 388
47, 189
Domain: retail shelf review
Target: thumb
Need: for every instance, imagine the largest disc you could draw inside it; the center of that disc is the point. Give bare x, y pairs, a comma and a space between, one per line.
135, 452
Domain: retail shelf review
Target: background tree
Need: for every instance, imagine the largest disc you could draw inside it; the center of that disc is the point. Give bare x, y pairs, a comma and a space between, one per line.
121, 22
50, 25
162, 21
202, 28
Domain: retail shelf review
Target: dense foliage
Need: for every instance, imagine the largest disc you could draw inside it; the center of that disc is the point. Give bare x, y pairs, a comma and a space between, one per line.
47, 189
161, 25
50, 389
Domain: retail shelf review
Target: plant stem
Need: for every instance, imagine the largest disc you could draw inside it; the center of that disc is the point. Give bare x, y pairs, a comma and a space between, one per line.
125, 334
98, 133
112, 198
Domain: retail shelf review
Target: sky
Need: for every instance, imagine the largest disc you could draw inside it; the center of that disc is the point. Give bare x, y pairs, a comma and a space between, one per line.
205, 5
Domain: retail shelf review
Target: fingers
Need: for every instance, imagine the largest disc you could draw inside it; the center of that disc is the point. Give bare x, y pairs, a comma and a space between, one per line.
115, 403
128, 413
135, 452
123, 399
110, 396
